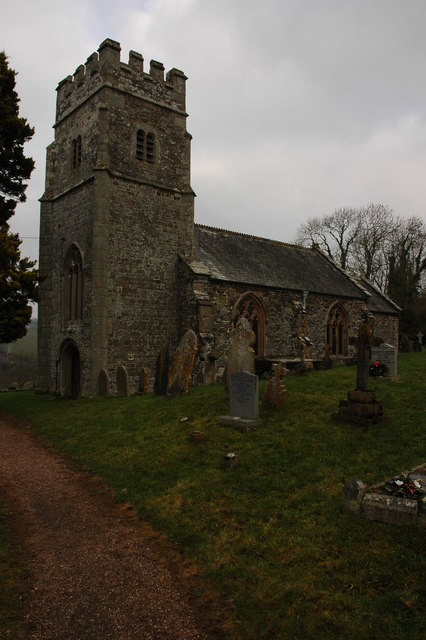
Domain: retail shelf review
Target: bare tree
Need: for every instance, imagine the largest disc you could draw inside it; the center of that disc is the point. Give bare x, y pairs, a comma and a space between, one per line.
377, 228
335, 234
388, 250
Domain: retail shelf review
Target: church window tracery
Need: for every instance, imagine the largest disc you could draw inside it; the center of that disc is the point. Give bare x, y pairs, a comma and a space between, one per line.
73, 285
250, 307
337, 331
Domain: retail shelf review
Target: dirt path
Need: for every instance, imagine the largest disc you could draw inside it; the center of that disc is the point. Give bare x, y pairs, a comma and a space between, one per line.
92, 574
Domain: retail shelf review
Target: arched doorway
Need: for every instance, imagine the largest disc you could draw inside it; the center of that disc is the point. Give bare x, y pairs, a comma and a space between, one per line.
248, 306
337, 331
69, 368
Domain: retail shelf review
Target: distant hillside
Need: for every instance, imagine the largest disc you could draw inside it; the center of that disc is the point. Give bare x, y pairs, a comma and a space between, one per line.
18, 360
26, 346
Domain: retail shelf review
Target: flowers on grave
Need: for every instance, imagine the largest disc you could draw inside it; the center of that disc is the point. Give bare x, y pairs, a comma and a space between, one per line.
377, 368
405, 487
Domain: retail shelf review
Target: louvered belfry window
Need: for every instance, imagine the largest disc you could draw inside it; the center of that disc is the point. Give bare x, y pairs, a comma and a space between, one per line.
145, 146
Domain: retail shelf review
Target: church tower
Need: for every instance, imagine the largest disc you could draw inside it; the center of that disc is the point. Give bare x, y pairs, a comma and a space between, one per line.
116, 216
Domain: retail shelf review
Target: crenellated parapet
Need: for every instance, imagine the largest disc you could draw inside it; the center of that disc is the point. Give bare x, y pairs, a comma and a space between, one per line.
104, 68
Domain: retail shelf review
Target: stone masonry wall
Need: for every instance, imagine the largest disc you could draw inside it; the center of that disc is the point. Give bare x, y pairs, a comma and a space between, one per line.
386, 329
283, 318
130, 217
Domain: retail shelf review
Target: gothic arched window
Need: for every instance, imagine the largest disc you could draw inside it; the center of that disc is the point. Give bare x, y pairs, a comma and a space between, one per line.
73, 285
248, 306
337, 331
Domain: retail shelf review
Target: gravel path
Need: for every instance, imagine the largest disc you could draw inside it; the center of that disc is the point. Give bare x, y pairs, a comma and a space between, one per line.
92, 572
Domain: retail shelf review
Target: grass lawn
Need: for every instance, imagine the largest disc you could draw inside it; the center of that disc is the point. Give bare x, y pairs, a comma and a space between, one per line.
271, 536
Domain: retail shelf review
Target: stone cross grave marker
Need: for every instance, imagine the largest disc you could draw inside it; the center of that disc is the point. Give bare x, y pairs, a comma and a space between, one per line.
365, 341
361, 405
181, 376
274, 395
386, 354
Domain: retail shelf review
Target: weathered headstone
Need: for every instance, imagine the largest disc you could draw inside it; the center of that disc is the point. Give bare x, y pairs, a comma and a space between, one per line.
386, 354
240, 353
143, 381
162, 372
353, 492
417, 342
406, 344
181, 376
123, 388
244, 402
274, 395
103, 383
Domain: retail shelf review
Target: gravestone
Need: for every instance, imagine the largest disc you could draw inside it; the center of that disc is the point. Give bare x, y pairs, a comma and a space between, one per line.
418, 342
406, 345
181, 376
361, 405
162, 371
274, 395
240, 353
103, 383
244, 402
123, 388
386, 354
143, 381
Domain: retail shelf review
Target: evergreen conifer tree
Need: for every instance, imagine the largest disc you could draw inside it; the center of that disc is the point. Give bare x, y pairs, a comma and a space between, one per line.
18, 278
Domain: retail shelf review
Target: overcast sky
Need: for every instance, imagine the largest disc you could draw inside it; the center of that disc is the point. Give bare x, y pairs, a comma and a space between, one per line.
296, 107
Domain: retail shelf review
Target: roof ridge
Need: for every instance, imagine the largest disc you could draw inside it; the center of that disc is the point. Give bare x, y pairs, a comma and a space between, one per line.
378, 291
248, 235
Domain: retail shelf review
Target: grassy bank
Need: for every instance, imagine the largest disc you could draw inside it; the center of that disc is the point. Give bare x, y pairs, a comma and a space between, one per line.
270, 535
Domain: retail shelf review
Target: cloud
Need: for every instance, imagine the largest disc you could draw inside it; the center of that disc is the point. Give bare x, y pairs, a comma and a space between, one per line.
296, 108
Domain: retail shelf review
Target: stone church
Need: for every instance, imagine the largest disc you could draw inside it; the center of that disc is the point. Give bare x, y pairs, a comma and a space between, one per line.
127, 272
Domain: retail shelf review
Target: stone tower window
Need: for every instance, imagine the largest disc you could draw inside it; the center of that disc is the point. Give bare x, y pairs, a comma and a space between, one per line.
337, 331
140, 144
73, 285
76, 152
145, 146
150, 148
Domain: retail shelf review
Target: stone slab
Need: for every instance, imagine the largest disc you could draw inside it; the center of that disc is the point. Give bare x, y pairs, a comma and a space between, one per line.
389, 509
241, 424
356, 419
361, 396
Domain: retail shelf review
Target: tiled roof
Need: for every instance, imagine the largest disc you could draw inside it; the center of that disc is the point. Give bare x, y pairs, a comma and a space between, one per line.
235, 257
378, 302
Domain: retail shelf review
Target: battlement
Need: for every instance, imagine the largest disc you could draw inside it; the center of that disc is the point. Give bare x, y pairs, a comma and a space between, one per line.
104, 67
